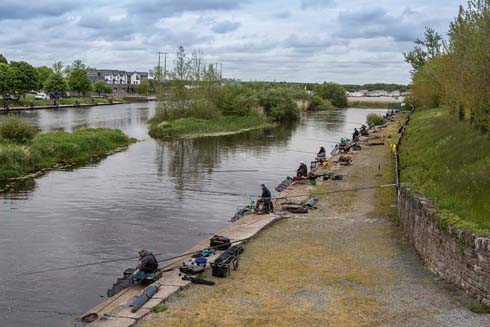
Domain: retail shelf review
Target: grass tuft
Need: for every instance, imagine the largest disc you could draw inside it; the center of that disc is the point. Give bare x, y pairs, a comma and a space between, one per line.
480, 309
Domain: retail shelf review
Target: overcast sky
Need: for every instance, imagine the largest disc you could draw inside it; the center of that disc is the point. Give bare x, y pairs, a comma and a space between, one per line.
347, 41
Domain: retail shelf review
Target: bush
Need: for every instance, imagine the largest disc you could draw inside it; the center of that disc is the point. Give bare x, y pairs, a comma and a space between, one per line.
16, 130
375, 119
318, 104
333, 92
279, 106
235, 100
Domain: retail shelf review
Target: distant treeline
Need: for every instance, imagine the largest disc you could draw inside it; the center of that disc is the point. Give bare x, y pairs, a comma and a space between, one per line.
376, 86
455, 74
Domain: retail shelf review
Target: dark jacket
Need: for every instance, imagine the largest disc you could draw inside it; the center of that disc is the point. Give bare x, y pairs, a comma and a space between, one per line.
148, 263
322, 152
302, 170
266, 194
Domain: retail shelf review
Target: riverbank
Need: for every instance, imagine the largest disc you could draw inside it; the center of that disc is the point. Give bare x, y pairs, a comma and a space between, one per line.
52, 149
344, 264
435, 150
185, 128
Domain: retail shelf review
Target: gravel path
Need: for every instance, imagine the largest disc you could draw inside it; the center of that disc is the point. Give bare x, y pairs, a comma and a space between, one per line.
344, 264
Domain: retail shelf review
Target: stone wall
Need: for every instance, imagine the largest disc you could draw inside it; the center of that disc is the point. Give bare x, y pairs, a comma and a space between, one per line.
458, 256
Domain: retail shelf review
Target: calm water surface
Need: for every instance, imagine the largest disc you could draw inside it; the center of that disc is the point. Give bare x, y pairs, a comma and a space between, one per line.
151, 196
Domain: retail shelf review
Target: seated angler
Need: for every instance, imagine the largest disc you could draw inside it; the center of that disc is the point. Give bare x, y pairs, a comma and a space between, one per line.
355, 135
302, 170
148, 265
265, 200
322, 154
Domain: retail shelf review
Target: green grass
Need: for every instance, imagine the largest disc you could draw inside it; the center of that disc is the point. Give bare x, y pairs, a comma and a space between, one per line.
448, 161
480, 309
195, 127
49, 149
374, 105
29, 98
160, 308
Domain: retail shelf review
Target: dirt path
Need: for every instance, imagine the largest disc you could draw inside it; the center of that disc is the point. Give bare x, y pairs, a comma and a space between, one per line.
344, 264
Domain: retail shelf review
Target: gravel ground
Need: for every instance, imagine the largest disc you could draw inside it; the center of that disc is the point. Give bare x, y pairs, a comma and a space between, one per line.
344, 264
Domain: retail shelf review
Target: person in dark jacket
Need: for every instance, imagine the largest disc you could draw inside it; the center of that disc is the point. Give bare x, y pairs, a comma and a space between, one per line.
302, 170
355, 135
322, 153
265, 200
148, 264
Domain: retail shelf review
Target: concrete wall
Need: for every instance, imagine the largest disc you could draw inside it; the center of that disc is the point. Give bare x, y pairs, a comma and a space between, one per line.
456, 255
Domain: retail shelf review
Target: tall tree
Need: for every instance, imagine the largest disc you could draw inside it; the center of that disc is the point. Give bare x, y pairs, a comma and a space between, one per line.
182, 66
58, 67
5, 81
424, 50
3, 60
79, 81
43, 73
26, 77
55, 83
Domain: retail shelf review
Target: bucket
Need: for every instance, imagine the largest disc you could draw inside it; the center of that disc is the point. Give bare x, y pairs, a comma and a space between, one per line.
201, 261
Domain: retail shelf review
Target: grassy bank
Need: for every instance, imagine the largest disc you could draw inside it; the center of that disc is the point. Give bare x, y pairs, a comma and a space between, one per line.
29, 99
195, 127
374, 105
54, 148
449, 162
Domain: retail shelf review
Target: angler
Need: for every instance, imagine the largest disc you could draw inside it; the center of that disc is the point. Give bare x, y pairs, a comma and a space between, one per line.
302, 171
264, 203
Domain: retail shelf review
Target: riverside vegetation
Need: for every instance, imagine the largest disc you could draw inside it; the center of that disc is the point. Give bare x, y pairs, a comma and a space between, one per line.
195, 103
23, 150
446, 152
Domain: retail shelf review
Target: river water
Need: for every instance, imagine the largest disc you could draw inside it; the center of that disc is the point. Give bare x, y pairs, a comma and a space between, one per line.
151, 196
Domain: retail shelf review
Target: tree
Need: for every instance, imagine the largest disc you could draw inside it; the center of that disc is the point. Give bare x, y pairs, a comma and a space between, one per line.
76, 64
431, 46
55, 83
3, 60
43, 73
25, 79
5, 81
333, 92
79, 81
58, 67
102, 87
182, 66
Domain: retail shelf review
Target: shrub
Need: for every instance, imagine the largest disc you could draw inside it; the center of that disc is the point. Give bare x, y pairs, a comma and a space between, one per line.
333, 92
16, 130
318, 104
279, 106
375, 119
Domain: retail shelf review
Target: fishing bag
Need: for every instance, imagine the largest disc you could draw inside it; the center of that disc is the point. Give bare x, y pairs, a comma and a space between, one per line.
222, 266
191, 270
219, 242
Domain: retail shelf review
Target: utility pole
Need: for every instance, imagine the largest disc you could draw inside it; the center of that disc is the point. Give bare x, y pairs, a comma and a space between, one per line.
221, 70
160, 67
165, 68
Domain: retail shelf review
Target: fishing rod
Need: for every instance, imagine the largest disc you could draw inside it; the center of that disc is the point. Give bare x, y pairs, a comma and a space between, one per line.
127, 259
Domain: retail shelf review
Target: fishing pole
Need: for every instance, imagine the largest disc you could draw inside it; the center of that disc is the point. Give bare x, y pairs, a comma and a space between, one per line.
125, 259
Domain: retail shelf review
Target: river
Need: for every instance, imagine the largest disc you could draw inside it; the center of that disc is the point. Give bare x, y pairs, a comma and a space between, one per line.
152, 196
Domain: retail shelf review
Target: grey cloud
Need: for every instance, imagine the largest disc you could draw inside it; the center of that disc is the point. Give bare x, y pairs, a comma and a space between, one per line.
306, 4
377, 22
15, 9
225, 27
167, 8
